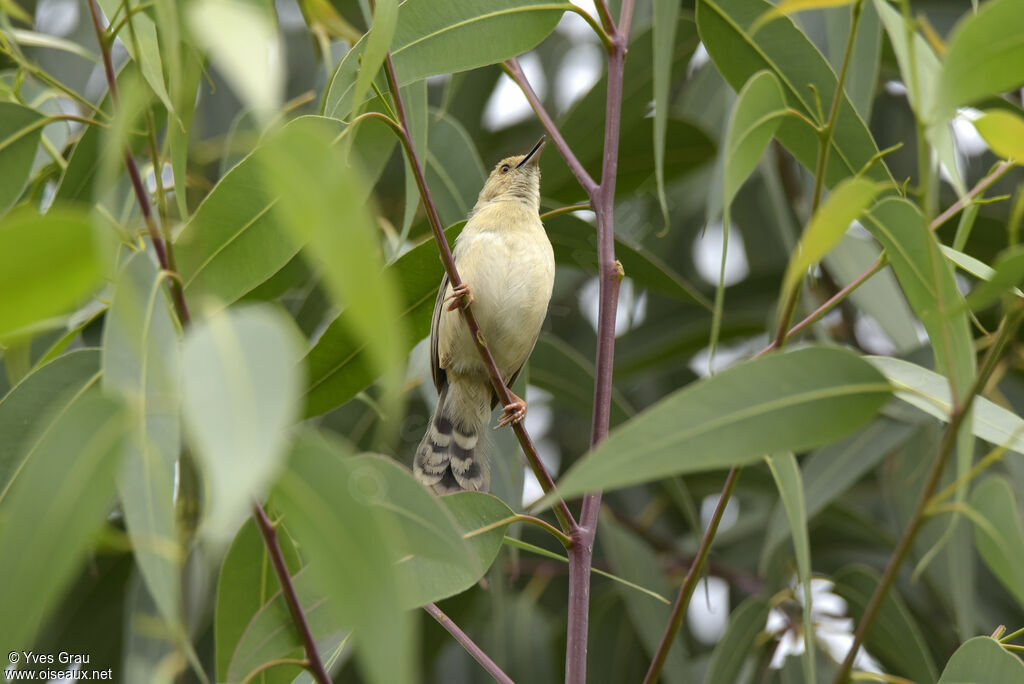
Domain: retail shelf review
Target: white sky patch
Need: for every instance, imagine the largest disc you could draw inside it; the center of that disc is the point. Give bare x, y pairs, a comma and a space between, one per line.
575, 27
729, 516
896, 88
630, 313
57, 17
507, 105
968, 141
707, 255
699, 59
872, 337
708, 612
725, 356
579, 71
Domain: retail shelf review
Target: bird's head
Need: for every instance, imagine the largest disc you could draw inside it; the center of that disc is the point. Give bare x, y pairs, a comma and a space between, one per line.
515, 178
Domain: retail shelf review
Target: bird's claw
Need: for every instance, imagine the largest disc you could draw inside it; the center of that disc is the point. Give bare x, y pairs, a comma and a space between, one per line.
514, 412
456, 297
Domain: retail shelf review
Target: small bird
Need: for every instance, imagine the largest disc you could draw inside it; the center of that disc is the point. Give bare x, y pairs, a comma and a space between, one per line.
507, 266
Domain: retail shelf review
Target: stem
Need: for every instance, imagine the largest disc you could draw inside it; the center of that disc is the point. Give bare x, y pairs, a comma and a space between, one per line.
468, 644
610, 275
996, 173
503, 392
1004, 335
284, 578
690, 582
173, 284
513, 69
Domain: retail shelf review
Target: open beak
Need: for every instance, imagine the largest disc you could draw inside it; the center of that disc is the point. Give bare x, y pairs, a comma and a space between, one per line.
534, 153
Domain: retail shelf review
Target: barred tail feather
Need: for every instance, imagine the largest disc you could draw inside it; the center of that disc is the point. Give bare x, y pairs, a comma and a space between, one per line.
451, 457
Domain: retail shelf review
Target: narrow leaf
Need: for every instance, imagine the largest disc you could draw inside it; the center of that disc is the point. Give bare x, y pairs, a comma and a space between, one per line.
61, 499
999, 532
240, 388
1004, 132
666, 14
794, 401
20, 131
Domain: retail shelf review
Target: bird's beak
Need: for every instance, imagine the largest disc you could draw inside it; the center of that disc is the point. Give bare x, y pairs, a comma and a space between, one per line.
534, 154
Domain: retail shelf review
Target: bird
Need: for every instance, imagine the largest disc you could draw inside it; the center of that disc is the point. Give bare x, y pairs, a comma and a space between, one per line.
507, 267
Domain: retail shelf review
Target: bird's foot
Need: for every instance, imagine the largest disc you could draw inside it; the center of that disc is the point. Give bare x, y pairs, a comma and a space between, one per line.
514, 412
460, 297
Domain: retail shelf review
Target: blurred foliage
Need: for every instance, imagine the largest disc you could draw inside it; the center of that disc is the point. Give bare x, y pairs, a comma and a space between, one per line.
132, 442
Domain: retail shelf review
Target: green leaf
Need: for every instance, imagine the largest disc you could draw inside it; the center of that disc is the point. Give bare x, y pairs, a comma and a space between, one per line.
843, 206
375, 48
1007, 276
60, 500
322, 203
454, 172
919, 69
984, 56
140, 40
51, 390
928, 282
929, 391
235, 240
725, 26
739, 642
575, 244
432, 579
999, 532
240, 388
688, 147
830, 471
787, 7
786, 473
356, 519
629, 557
242, 41
245, 585
337, 364
1004, 132
666, 15
880, 296
895, 638
862, 73
140, 363
268, 631
756, 116
20, 131
982, 660
48, 264
485, 32
561, 369
781, 402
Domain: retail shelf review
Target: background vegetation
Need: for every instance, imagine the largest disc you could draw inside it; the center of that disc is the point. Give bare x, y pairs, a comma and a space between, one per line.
219, 233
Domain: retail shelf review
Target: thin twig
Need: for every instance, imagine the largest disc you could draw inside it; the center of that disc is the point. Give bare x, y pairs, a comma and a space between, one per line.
565, 517
1004, 336
315, 665
690, 582
996, 173
513, 69
468, 644
174, 284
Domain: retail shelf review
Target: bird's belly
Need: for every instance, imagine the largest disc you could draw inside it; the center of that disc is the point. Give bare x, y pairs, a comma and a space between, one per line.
511, 282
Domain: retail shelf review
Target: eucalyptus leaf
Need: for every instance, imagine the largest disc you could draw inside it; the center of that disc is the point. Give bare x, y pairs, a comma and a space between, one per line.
793, 401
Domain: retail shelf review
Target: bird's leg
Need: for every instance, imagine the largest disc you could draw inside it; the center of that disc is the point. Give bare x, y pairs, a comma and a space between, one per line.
456, 297
515, 411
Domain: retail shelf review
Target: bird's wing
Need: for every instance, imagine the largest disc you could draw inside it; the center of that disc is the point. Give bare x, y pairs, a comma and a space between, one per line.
436, 372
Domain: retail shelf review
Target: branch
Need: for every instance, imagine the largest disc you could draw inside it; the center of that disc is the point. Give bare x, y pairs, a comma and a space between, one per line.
284, 578
690, 582
468, 644
174, 284
514, 71
504, 394
1004, 336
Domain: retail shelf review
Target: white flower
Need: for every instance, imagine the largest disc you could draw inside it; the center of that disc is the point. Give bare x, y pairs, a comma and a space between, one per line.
833, 631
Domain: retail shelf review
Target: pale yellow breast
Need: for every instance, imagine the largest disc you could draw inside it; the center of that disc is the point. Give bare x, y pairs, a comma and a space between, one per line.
505, 257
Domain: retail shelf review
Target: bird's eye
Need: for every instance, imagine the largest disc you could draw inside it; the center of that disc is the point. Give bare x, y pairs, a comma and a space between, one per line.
504, 168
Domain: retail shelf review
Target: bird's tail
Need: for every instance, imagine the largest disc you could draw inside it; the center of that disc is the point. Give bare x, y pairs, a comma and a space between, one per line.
451, 456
